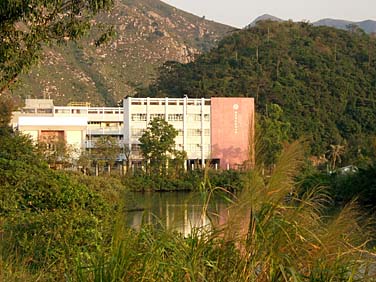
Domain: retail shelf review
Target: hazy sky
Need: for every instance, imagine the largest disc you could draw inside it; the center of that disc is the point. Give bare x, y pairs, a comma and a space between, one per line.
239, 13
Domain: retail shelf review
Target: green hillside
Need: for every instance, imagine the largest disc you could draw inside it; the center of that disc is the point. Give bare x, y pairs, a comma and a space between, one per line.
323, 78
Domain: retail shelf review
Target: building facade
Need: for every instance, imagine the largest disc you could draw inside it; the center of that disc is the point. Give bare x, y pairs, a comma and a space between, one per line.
79, 125
219, 131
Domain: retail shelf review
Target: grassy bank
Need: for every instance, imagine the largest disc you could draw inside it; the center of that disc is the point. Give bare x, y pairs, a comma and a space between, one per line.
272, 232
58, 226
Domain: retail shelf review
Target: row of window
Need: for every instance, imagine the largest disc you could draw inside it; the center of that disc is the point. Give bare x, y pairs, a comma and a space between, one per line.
171, 117
96, 112
189, 147
137, 132
170, 103
198, 132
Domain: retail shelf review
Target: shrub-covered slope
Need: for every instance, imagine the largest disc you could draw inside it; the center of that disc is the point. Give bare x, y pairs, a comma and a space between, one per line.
323, 78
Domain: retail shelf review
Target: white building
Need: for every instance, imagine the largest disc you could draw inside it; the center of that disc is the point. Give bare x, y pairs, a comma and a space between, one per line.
80, 125
216, 129
190, 117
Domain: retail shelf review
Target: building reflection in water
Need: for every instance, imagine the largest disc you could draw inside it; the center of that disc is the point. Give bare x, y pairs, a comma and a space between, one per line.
178, 211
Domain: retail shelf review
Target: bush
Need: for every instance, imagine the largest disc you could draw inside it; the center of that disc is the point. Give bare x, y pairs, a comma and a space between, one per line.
360, 186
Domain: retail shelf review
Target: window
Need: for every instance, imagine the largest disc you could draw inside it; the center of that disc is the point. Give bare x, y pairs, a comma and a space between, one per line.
158, 116
194, 117
137, 132
62, 111
207, 132
194, 132
206, 117
194, 147
138, 117
175, 117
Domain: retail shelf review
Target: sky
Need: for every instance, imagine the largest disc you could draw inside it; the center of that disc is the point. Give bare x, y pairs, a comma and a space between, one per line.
239, 13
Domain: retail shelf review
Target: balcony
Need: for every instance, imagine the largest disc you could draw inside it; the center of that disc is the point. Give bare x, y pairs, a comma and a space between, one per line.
105, 131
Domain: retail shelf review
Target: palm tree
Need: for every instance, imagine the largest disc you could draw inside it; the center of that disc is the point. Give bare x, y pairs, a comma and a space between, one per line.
335, 153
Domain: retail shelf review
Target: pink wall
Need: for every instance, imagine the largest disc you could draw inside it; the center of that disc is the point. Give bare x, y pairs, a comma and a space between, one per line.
232, 130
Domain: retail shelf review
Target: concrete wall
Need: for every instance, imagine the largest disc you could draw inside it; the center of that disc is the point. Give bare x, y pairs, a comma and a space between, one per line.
232, 130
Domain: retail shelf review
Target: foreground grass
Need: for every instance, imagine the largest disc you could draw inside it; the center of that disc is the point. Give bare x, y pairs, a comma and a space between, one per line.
270, 232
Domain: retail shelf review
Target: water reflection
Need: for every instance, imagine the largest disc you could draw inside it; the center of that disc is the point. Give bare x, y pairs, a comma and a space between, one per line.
179, 211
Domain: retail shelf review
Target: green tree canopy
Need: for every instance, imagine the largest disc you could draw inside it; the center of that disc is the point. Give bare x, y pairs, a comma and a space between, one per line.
273, 131
26, 25
158, 144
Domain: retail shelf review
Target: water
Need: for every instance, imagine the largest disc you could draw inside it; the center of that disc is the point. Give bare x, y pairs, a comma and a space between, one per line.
179, 211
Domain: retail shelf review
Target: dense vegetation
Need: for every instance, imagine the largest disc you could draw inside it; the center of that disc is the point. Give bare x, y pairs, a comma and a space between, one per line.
47, 217
324, 79
57, 226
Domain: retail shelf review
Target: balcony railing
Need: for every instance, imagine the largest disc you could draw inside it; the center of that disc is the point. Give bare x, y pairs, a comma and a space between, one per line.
105, 131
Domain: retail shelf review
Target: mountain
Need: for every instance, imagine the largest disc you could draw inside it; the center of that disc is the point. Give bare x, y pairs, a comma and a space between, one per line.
368, 26
323, 78
265, 17
148, 33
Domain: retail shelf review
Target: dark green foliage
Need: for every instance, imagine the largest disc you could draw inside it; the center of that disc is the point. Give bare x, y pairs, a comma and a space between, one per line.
32, 188
273, 132
188, 181
322, 78
360, 186
51, 237
47, 217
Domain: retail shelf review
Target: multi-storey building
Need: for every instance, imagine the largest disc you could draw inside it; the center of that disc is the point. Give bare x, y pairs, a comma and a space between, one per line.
79, 124
219, 130
190, 117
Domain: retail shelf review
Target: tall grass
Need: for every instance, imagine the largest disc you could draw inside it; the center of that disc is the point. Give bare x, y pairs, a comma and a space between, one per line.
272, 233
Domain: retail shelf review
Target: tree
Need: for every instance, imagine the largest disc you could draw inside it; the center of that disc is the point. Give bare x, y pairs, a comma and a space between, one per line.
6, 109
106, 150
158, 145
57, 152
25, 26
273, 133
85, 161
335, 153
127, 157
